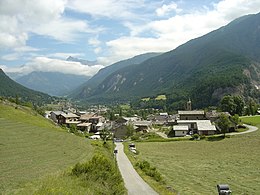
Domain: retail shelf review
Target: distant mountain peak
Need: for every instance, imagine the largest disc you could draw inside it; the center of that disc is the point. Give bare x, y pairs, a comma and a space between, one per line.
82, 61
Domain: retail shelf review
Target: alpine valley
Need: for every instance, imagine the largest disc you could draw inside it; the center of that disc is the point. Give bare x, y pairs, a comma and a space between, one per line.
225, 61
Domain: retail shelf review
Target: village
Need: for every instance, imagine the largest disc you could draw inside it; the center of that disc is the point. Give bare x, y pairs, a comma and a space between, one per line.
185, 123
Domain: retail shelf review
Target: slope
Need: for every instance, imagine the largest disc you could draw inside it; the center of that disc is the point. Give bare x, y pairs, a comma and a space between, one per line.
223, 61
32, 147
88, 88
9, 88
52, 83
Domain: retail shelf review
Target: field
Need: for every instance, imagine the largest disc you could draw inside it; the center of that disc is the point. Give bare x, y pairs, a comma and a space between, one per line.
196, 167
31, 147
161, 97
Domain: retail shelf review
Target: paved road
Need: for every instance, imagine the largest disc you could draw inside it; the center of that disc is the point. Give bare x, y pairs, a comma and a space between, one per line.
133, 182
250, 129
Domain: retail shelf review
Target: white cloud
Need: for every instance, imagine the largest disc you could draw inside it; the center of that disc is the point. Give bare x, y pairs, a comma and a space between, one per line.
65, 55
169, 33
165, 9
54, 65
107, 8
94, 41
18, 18
11, 56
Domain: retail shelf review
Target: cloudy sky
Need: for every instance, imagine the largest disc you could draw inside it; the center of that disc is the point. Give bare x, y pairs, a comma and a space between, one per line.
41, 34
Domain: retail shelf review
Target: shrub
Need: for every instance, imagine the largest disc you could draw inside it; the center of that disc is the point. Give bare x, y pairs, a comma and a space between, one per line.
100, 173
195, 136
149, 170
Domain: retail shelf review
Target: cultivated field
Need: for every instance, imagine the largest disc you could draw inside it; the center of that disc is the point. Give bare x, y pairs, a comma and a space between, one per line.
196, 167
31, 147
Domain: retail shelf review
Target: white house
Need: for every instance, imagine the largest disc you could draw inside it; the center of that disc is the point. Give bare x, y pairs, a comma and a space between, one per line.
180, 130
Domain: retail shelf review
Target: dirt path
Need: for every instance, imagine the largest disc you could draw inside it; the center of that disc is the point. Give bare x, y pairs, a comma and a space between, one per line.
133, 182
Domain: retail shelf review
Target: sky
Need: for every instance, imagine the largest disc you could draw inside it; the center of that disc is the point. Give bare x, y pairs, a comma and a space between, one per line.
39, 35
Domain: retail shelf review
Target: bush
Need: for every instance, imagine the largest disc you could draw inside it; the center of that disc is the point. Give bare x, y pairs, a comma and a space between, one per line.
100, 173
195, 136
149, 170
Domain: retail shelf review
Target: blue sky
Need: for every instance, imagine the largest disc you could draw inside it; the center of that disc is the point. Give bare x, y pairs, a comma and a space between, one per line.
41, 34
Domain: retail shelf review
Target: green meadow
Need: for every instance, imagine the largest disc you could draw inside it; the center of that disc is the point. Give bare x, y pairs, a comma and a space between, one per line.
31, 147
196, 167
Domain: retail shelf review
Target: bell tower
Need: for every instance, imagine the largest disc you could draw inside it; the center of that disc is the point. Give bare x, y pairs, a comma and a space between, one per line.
188, 107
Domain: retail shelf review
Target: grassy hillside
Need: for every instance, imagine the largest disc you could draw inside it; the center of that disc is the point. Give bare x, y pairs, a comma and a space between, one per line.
196, 167
32, 147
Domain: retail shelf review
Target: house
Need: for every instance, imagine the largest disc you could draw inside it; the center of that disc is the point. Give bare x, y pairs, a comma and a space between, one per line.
84, 126
54, 115
214, 115
120, 131
180, 130
85, 117
162, 119
68, 119
201, 127
192, 115
131, 120
144, 126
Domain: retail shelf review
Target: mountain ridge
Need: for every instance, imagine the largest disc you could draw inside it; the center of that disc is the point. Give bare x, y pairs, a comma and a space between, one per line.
10, 88
52, 83
216, 61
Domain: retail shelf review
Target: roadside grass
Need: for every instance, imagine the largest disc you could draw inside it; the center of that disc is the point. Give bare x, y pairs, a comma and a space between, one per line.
196, 167
31, 147
159, 186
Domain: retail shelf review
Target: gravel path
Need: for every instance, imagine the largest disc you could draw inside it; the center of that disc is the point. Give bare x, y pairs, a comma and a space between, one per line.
133, 182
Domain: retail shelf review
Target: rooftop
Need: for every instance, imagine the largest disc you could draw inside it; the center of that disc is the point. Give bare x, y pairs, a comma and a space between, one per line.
191, 112
202, 125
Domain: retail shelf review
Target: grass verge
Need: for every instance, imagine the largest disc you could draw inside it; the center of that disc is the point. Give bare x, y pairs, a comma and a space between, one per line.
149, 173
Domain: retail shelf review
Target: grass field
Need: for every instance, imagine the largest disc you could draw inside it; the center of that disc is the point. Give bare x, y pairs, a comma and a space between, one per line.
31, 147
161, 97
196, 167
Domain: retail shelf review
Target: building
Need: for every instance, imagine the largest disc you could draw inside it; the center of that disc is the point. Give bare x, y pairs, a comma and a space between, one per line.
180, 130
68, 119
192, 115
201, 127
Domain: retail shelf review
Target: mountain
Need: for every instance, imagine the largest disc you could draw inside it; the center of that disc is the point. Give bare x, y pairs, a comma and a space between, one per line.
9, 88
52, 83
88, 88
225, 61
84, 62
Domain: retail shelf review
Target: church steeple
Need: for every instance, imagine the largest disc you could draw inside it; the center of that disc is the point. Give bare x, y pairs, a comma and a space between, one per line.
188, 107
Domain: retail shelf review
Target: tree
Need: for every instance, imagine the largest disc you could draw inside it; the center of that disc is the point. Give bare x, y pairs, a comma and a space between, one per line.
232, 104
105, 134
240, 104
130, 130
227, 104
223, 123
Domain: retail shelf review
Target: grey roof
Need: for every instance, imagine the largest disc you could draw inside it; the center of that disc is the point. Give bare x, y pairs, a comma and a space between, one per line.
84, 124
57, 112
142, 123
202, 125
191, 112
69, 115
180, 128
